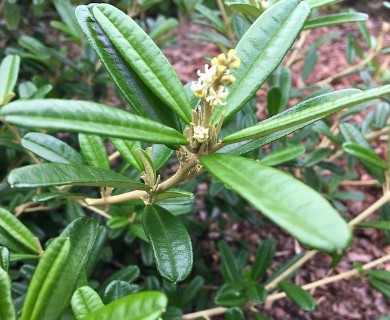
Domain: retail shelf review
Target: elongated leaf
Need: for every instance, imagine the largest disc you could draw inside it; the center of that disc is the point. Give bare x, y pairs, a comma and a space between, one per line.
282, 155
14, 235
170, 241
85, 301
66, 12
51, 148
381, 225
365, 154
283, 199
127, 150
144, 57
45, 278
94, 150
88, 117
247, 146
244, 9
335, 19
59, 174
146, 305
134, 90
320, 3
160, 155
263, 47
264, 255
82, 233
4, 258
301, 113
192, 290
46, 196
9, 70
380, 274
301, 297
7, 306
231, 295
382, 286
229, 265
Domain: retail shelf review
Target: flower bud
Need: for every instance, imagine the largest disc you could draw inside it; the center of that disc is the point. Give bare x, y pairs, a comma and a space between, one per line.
228, 79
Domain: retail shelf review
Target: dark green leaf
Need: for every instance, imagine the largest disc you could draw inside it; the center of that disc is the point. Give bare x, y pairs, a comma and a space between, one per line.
116, 290
380, 274
383, 287
274, 101
128, 274
127, 150
192, 290
264, 255
310, 62
229, 263
301, 297
88, 117
57, 174
282, 155
230, 295
94, 150
144, 101
7, 306
170, 242
365, 154
381, 225
335, 19
283, 199
234, 314
4, 258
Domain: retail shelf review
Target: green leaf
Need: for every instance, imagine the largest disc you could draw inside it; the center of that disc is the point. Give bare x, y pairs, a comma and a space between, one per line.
380, 274
88, 117
306, 113
134, 90
310, 62
9, 70
316, 156
45, 278
146, 305
7, 306
263, 47
144, 57
128, 274
116, 290
229, 267
59, 174
301, 297
283, 155
320, 3
51, 148
82, 233
383, 287
264, 255
127, 149
244, 9
230, 295
170, 241
14, 235
335, 19
365, 154
160, 155
234, 314
283, 82
46, 196
283, 199
4, 258
94, 150
274, 101
245, 147
66, 12
149, 175
381, 225
192, 290
85, 301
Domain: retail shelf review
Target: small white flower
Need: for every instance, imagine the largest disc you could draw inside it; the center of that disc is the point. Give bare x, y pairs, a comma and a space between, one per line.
201, 134
217, 98
208, 74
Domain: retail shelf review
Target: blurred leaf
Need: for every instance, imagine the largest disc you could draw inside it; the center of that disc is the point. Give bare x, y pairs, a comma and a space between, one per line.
301, 297
335, 19
365, 154
310, 62
230, 295
264, 255
229, 267
381, 225
282, 155
9, 70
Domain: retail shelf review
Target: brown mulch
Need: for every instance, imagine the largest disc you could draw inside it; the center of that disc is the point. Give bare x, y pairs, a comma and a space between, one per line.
348, 299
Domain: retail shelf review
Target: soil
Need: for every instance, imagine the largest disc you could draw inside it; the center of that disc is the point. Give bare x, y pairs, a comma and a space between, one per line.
349, 299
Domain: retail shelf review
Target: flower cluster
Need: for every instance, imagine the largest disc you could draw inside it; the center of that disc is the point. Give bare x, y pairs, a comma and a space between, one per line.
211, 85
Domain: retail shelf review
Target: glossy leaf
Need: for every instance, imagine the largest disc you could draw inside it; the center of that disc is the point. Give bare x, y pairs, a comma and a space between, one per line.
283, 155
82, 233
283, 199
59, 174
88, 117
301, 297
170, 241
264, 255
146, 305
51, 149
263, 47
128, 274
160, 155
247, 146
134, 90
14, 235
94, 150
144, 57
335, 19
127, 150
85, 301
7, 306
9, 69
4, 258
301, 113
116, 290
365, 154
45, 277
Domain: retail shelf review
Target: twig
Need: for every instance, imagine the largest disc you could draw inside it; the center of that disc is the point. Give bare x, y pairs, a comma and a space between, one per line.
113, 156
96, 210
299, 46
225, 19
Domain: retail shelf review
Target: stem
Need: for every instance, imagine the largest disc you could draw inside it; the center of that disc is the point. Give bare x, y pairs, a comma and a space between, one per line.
225, 19
299, 46
133, 195
96, 210
113, 156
